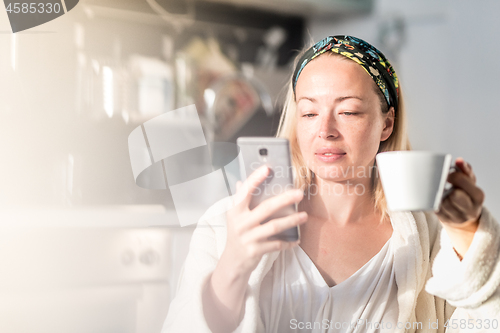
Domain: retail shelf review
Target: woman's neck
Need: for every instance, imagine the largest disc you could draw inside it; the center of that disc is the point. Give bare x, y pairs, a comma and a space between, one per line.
341, 203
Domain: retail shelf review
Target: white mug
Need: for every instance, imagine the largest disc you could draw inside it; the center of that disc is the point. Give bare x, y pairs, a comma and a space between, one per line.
414, 180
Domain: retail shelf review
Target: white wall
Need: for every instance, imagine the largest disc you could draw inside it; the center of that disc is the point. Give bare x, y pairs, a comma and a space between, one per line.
449, 71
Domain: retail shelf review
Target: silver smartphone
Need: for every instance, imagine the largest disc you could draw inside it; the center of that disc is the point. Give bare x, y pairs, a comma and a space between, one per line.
275, 153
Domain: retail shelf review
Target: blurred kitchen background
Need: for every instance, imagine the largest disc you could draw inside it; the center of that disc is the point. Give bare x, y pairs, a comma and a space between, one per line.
82, 247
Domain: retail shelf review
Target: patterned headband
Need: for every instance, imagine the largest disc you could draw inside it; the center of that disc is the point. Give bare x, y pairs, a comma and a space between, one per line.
371, 59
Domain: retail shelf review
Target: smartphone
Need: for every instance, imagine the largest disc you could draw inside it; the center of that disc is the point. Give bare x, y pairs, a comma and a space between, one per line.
275, 153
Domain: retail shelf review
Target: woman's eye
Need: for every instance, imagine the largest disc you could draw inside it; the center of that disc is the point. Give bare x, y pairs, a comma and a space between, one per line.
349, 113
309, 115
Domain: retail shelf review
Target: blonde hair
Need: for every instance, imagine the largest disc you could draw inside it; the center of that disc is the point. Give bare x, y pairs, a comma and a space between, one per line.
398, 140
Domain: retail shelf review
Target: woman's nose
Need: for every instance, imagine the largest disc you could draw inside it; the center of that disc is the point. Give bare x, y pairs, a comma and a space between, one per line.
328, 128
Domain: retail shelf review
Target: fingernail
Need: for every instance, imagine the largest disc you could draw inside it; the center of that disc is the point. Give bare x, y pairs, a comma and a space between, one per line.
297, 193
303, 215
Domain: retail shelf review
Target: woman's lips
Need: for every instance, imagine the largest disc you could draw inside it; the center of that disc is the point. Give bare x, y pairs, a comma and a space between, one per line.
329, 157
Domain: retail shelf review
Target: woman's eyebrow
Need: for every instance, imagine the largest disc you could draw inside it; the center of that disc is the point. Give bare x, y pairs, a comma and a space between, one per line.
343, 98
307, 98
338, 99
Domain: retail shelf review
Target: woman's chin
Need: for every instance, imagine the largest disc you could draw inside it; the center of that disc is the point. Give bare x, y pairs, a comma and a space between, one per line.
332, 172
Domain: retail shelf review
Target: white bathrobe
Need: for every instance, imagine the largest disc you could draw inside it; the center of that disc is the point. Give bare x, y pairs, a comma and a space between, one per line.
433, 284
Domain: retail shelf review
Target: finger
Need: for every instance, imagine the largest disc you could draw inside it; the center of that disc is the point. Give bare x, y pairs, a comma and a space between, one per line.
460, 164
464, 182
460, 215
470, 172
463, 203
276, 245
455, 214
269, 207
444, 213
461, 200
465, 167
272, 205
238, 185
263, 232
249, 186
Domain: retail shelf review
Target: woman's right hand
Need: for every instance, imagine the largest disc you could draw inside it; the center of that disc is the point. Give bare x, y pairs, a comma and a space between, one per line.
248, 239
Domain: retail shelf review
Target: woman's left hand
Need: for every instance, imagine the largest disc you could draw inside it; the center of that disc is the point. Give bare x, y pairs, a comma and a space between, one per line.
461, 209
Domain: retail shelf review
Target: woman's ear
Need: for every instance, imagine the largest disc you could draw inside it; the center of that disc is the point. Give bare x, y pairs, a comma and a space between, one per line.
388, 124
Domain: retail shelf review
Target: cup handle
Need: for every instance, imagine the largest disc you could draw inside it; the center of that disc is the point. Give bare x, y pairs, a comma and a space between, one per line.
448, 187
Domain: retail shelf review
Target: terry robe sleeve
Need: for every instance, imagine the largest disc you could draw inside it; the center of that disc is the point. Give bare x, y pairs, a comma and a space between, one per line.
472, 285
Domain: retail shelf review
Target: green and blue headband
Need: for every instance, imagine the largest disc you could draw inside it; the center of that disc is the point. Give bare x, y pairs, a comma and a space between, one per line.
356, 49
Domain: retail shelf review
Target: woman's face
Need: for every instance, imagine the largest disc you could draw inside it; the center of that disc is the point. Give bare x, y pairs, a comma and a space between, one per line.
340, 122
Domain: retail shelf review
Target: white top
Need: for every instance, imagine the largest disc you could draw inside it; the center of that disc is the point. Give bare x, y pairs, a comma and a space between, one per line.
294, 297
418, 243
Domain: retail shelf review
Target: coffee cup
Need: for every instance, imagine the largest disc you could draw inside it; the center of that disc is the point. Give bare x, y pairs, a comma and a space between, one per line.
414, 180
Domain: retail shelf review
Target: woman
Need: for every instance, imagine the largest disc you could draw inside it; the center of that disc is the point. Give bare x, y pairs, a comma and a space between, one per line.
359, 268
